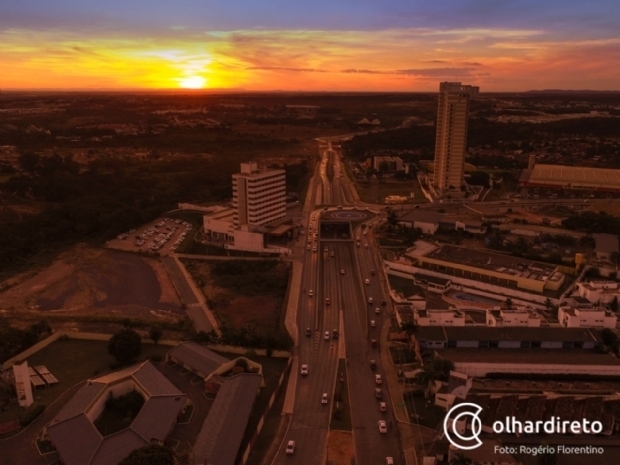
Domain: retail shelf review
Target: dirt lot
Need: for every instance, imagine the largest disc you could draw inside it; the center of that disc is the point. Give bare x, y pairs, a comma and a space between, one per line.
340, 448
87, 281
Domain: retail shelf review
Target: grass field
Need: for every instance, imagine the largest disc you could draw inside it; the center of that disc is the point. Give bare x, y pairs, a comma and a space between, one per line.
341, 410
72, 361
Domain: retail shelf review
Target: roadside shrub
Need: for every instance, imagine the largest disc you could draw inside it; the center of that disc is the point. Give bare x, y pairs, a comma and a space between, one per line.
32, 415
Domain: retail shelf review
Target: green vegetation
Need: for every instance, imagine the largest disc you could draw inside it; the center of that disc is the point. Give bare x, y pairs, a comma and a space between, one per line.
250, 278
341, 410
401, 355
422, 412
125, 346
150, 455
592, 222
15, 340
119, 413
32, 414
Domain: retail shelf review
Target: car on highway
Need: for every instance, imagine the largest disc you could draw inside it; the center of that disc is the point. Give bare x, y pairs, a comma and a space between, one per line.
310, 293
326, 250
304, 370
389, 461
370, 301
372, 272
327, 301
373, 342
339, 207
378, 393
332, 254
324, 398
290, 448
377, 310
382, 407
367, 281
335, 333
326, 335
383, 303
307, 247
378, 379
382, 426
366, 245
357, 238
308, 332
341, 271
365, 232
314, 249
373, 323
358, 244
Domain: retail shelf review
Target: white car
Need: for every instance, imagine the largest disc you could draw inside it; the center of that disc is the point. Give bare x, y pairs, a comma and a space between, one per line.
378, 379
377, 310
314, 249
366, 245
382, 426
304, 370
372, 323
290, 448
341, 271
389, 461
370, 300
327, 335
307, 247
310, 293
324, 399
367, 281
382, 407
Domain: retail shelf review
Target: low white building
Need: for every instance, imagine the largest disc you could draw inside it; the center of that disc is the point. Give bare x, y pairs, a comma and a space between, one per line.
519, 317
586, 317
600, 291
428, 222
438, 317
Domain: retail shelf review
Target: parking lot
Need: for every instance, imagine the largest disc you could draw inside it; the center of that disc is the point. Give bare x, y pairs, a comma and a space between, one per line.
160, 236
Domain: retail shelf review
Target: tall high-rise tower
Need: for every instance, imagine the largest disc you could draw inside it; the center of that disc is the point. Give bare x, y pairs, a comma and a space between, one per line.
259, 196
451, 136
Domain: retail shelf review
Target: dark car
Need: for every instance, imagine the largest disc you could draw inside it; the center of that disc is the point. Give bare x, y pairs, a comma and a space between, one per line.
373, 342
373, 364
383, 303
308, 332
378, 393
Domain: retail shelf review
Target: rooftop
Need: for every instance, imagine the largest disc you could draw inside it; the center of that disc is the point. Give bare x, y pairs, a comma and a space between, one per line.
198, 357
574, 175
422, 216
527, 356
517, 267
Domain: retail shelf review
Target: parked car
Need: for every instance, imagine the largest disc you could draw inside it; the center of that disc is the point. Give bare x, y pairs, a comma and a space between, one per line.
290, 448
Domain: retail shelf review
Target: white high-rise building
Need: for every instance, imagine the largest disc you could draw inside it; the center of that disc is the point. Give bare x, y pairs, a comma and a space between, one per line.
451, 136
259, 196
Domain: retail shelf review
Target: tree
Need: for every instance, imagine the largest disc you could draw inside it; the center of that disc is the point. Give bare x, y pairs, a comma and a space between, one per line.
460, 459
150, 455
392, 219
427, 378
613, 305
410, 328
125, 346
155, 333
610, 340
443, 367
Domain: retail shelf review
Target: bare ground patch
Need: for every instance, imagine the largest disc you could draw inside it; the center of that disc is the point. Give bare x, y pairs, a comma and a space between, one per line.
340, 448
88, 281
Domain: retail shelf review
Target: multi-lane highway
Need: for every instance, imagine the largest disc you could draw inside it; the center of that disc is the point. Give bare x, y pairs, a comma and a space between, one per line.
336, 271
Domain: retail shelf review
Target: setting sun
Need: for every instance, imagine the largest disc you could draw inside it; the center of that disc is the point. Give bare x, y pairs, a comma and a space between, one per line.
192, 82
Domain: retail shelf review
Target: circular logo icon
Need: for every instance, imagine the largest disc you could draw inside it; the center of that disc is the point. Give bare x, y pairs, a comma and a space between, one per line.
456, 422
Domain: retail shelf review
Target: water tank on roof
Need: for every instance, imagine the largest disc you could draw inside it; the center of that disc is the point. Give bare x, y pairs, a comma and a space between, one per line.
578, 259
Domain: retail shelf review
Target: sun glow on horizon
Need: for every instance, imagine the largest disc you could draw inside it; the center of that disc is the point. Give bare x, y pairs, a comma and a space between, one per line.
192, 82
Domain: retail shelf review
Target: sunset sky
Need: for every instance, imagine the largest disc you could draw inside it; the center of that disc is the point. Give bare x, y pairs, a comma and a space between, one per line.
343, 45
